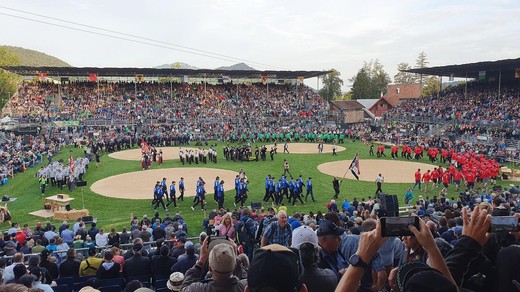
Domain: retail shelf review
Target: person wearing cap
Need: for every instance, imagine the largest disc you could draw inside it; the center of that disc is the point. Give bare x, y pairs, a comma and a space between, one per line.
329, 239
186, 260
275, 268
175, 281
222, 260
305, 240
138, 265
38, 273
91, 264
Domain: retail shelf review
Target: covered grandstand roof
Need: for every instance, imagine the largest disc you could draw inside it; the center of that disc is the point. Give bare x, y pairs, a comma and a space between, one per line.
471, 70
154, 72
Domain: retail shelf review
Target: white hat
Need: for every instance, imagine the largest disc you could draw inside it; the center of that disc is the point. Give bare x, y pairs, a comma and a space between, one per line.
304, 234
175, 281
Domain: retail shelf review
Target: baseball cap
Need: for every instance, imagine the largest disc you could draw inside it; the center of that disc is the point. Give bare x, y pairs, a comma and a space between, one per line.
418, 276
274, 267
222, 259
328, 227
175, 281
304, 234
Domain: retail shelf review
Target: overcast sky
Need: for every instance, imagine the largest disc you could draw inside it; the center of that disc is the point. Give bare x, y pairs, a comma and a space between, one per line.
284, 35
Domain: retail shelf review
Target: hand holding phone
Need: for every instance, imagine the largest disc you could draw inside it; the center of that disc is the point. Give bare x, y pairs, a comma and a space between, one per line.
398, 226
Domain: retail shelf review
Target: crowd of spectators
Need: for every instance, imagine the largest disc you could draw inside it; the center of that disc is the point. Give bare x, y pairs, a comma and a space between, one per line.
336, 250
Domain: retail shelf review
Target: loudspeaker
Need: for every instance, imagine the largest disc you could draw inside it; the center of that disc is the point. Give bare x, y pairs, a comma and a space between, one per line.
87, 219
81, 183
390, 204
6, 198
256, 205
67, 207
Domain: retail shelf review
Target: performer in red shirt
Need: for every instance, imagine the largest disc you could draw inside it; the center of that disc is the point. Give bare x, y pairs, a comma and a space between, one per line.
426, 180
457, 177
417, 179
470, 180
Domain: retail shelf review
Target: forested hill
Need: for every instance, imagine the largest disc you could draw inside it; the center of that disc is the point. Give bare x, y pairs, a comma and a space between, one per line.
34, 58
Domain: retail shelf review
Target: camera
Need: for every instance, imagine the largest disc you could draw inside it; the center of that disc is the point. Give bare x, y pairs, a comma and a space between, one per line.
398, 226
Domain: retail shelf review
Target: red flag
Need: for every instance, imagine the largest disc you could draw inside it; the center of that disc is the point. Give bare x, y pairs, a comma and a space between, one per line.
42, 75
92, 77
265, 78
71, 163
145, 148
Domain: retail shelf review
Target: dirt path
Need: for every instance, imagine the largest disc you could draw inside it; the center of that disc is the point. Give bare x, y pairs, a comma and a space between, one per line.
392, 171
140, 184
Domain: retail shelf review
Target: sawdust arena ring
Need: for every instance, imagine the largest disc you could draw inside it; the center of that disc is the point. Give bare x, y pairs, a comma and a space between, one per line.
169, 153
172, 153
305, 148
140, 184
393, 171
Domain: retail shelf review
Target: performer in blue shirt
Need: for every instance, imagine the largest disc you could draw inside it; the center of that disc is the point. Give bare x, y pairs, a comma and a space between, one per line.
181, 189
200, 196
173, 198
309, 190
220, 195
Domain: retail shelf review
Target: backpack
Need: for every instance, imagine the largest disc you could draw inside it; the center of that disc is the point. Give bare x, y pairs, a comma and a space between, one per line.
242, 233
262, 225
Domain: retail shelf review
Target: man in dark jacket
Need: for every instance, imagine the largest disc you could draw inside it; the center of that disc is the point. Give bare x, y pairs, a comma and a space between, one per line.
305, 240
70, 266
93, 231
162, 262
138, 265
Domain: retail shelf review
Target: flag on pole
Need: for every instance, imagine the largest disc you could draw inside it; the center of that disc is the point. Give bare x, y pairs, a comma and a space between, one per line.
265, 78
145, 148
354, 166
71, 163
92, 77
42, 75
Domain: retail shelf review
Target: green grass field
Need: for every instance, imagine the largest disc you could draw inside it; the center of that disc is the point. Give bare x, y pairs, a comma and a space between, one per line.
116, 212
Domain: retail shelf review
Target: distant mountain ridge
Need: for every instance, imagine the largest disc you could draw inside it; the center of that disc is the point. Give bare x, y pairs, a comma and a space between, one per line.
30, 57
176, 65
180, 65
239, 66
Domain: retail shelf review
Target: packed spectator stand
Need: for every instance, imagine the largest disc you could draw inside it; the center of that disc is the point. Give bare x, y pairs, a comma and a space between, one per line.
152, 251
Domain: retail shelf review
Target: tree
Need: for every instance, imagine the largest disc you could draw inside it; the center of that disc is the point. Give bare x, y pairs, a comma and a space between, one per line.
7, 80
380, 78
431, 85
421, 62
404, 77
331, 85
371, 81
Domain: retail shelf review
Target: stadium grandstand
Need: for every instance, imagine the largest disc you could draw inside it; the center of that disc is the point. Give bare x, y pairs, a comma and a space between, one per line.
473, 125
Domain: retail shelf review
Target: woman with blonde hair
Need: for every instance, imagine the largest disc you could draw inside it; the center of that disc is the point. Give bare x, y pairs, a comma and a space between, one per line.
226, 227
